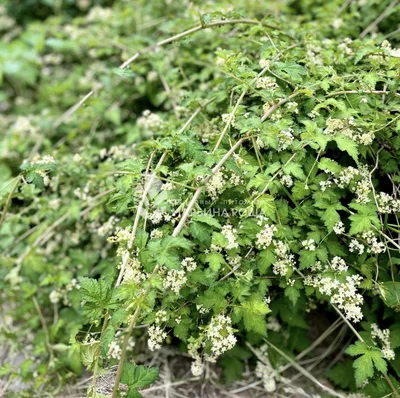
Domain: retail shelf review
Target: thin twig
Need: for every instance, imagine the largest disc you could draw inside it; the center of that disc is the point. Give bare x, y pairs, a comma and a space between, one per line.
44, 326
171, 39
305, 372
380, 17
379, 92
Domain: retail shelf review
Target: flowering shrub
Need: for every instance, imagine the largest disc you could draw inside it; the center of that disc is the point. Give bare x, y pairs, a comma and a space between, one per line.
222, 194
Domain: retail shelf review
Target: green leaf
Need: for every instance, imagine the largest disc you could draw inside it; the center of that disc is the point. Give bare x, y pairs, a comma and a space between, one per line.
253, 314
295, 170
201, 232
390, 292
267, 205
292, 69
136, 376
89, 354
347, 145
364, 369
264, 260
342, 374
95, 295
166, 252
292, 293
215, 260
363, 220
329, 164
124, 72
358, 348
364, 365
207, 219
132, 393
307, 258
330, 217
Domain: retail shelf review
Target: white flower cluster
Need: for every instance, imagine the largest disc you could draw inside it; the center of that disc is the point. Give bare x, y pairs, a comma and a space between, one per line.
285, 139
215, 185
309, 244
348, 129
174, 280
55, 296
156, 234
362, 187
23, 125
197, 366
47, 159
273, 324
260, 143
345, 48
384, 337
226, 117
156, 337
219, 333
168, 186
156, 216
107, 227
338, 228
338, 264
149, 120
344, 294
122, 235
276, 115
114, 350
265, 371
266, 82
286, 180
314, 53
293, 107
116, 152
194, 346
356, 246
202, 310
161, 316
156, 332
98, 13
189, 264
133, 272
264, 63
394, 52
387, 204
230, 234
285, 261
264, 237
374, 247
337, 23
236, 180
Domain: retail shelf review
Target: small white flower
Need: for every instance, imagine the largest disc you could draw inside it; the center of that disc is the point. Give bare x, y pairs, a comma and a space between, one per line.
286, 180
264, 237
309, 244
356, 246
338, 228
230, 234
266, 82
285, 139
174, 280
156, 337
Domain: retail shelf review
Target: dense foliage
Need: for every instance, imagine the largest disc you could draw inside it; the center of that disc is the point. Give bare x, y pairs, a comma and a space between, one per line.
233, 189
